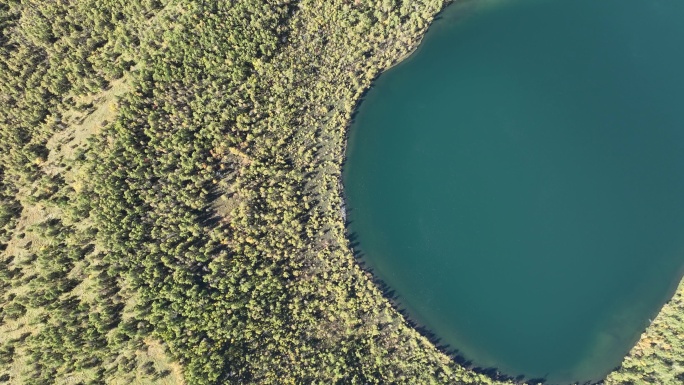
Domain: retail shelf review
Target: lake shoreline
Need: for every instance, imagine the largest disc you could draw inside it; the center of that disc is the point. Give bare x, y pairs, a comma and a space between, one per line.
493, 373
382, 285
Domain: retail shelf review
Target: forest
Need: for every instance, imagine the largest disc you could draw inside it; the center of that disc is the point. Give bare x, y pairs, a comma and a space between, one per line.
170, 204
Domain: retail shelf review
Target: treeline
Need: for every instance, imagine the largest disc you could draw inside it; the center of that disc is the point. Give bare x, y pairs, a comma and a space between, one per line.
241, 109
156, 172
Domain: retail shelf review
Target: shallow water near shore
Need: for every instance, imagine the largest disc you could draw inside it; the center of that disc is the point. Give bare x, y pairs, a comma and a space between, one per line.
519, 180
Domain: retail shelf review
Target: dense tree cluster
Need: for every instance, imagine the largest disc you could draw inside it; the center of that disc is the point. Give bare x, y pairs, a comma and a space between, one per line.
9, 210
267, 293
51, 52
61, 307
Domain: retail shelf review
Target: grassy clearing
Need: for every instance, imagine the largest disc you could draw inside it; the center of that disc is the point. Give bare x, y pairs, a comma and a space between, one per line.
153, 367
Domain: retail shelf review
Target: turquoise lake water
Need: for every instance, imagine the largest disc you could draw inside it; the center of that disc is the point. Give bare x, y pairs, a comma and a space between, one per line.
519, 180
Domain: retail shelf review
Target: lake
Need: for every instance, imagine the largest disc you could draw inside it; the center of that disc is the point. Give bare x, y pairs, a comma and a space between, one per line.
519, 180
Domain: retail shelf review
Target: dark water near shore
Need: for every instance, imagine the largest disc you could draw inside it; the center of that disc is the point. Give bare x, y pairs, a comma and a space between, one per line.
519, 181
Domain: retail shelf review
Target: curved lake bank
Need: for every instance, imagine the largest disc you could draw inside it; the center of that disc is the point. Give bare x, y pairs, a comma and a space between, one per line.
518, 181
